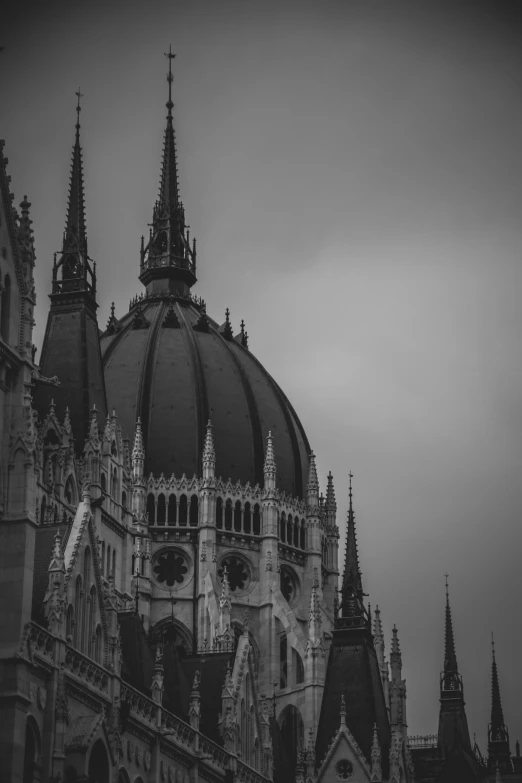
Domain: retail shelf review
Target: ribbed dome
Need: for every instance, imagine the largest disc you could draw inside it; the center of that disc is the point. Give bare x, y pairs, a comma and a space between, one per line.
161, 364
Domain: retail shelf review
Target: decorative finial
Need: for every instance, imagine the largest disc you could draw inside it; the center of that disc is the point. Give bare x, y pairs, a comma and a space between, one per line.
170, 79
78, 108
350, 477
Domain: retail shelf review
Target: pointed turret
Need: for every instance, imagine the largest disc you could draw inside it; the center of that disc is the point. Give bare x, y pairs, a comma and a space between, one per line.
331, 505
71, 347
209, 454
395, 656
376, 757
312, 489
269, 468
453, 723
498, 735
168, 261
54, 601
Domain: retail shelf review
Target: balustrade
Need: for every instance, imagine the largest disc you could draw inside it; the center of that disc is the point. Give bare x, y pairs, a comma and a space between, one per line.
42, 643
86, 670
422, 741
140, 706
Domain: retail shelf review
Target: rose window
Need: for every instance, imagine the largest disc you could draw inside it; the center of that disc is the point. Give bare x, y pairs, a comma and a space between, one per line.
171, 568
344, 769
237, 572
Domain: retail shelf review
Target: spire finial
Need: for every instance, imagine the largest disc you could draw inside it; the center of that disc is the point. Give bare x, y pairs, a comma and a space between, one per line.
170, 79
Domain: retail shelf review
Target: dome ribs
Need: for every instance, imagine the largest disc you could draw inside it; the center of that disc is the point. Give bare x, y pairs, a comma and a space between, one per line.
143, 407
255, 419
202, 407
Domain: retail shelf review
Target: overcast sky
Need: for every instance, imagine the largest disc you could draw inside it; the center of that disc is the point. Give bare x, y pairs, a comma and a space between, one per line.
353, 174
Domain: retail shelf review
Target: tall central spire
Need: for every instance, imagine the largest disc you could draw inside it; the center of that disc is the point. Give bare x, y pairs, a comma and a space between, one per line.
168, 260
352, 590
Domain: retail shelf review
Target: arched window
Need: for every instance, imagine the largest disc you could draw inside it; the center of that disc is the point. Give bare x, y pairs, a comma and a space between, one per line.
151, 509
283, 666
42, 511
303, 534
237, 516
5, 309
114, 487
124, 499
243, 733
87, 567
90, 627
108, 560
103, 482
69, 493
247, 519
114, 562
289, 526
99, 768
69, 621
173, 508
251, 737
161, 510
114, 450
228, 515
102, 559
282, 527
219, 513
297, 667
183, 510
292, 730
98, 644
257, 520
194, 511
78, 611
296, 532
32, 750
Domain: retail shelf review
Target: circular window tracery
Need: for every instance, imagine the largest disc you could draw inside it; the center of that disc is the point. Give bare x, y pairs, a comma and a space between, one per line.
238, 573
344, 769
171, 568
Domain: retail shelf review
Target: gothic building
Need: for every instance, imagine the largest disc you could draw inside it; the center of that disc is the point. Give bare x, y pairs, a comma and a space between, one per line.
169, 570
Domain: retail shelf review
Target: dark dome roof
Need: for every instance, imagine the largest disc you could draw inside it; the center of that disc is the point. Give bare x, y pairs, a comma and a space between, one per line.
175, 376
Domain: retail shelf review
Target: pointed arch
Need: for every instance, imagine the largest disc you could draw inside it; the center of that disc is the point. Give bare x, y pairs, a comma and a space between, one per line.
161, 510
173, 509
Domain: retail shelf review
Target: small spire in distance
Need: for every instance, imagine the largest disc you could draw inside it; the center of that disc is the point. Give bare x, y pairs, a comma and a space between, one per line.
352, 583
75, 238
451, 680
498, 729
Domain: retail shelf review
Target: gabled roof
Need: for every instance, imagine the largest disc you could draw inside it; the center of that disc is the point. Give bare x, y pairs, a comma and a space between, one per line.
344, 745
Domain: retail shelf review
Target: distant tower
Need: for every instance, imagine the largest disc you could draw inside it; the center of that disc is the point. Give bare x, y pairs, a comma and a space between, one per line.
498, 735
453, 724
353, 667
71, 347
